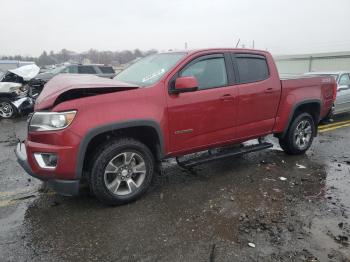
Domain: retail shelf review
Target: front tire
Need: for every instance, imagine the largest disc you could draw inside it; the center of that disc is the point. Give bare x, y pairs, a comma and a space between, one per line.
299, 136
7, 109
122, 171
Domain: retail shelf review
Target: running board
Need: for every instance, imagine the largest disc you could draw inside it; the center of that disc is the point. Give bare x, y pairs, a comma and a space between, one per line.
220, 155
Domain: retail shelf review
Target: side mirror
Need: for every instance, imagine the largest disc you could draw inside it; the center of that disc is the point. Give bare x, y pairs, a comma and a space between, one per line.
343, 87
186, 84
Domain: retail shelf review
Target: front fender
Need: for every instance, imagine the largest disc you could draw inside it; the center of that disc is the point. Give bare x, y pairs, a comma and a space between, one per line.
93, 132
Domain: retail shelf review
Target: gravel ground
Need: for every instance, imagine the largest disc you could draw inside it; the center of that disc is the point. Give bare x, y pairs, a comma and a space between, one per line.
265, 206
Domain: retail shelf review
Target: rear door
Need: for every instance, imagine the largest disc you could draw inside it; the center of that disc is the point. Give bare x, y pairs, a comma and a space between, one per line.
207, 116
258, 94
342, 103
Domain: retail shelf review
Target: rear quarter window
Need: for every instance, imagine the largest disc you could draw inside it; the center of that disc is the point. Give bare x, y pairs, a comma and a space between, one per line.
251, 68
106, 69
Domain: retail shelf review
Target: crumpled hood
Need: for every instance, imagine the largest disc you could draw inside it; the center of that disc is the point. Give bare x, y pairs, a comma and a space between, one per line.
62, 85
26, 72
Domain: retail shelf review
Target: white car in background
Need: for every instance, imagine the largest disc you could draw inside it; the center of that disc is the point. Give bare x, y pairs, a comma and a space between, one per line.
342, 102
14, 90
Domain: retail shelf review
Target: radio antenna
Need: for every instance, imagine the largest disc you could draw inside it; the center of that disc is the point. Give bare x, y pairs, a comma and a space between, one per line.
238, 42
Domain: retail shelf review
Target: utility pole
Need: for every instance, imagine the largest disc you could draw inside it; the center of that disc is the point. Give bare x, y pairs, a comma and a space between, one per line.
185, 45
253, 44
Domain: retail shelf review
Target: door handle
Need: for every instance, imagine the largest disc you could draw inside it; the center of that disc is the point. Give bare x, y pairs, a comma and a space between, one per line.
269, 90
227, 98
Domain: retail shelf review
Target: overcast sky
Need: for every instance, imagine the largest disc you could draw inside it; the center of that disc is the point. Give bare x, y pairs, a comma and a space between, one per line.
28, 27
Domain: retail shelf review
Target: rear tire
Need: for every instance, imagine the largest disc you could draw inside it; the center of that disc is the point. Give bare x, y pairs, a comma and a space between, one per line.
7, 109
299, 136
122, 171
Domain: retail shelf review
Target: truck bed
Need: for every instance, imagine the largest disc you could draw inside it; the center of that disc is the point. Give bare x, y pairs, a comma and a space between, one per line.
306, 88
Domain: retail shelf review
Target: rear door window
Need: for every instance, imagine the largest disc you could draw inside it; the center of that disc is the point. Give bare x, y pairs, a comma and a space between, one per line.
251, 68
86, 70
210, 72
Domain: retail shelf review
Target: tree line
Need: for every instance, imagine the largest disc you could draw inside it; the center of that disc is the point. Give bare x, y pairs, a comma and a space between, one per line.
91, 56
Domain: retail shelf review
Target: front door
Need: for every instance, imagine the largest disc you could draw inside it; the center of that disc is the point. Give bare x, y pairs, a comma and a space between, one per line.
205, 117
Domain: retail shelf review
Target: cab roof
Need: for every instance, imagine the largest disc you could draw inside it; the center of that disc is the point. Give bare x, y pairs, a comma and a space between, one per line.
193, 51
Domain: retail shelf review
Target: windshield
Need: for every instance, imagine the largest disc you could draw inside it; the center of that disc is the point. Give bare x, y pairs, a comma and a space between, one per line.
149, 69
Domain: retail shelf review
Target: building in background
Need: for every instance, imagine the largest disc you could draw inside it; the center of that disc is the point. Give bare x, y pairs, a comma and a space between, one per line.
299, 64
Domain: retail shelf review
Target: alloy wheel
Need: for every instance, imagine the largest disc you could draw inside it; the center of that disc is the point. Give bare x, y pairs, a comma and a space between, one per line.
6, 110
125, 173
303, 134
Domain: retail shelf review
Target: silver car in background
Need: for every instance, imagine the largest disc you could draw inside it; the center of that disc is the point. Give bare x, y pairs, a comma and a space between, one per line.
342, 102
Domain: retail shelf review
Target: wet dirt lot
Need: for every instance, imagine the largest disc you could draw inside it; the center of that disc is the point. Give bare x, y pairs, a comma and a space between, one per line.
265, 206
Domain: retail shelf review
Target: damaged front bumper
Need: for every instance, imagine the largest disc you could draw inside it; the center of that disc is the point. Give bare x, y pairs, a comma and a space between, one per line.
23, 104
63, 187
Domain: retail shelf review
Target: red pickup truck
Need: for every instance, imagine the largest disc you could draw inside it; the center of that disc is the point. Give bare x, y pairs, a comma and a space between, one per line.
114, 133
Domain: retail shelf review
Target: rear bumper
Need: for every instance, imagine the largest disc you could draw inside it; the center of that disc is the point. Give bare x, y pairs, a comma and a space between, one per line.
63, 187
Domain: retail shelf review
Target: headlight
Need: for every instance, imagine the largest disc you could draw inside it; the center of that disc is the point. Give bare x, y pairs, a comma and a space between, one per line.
50, 121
